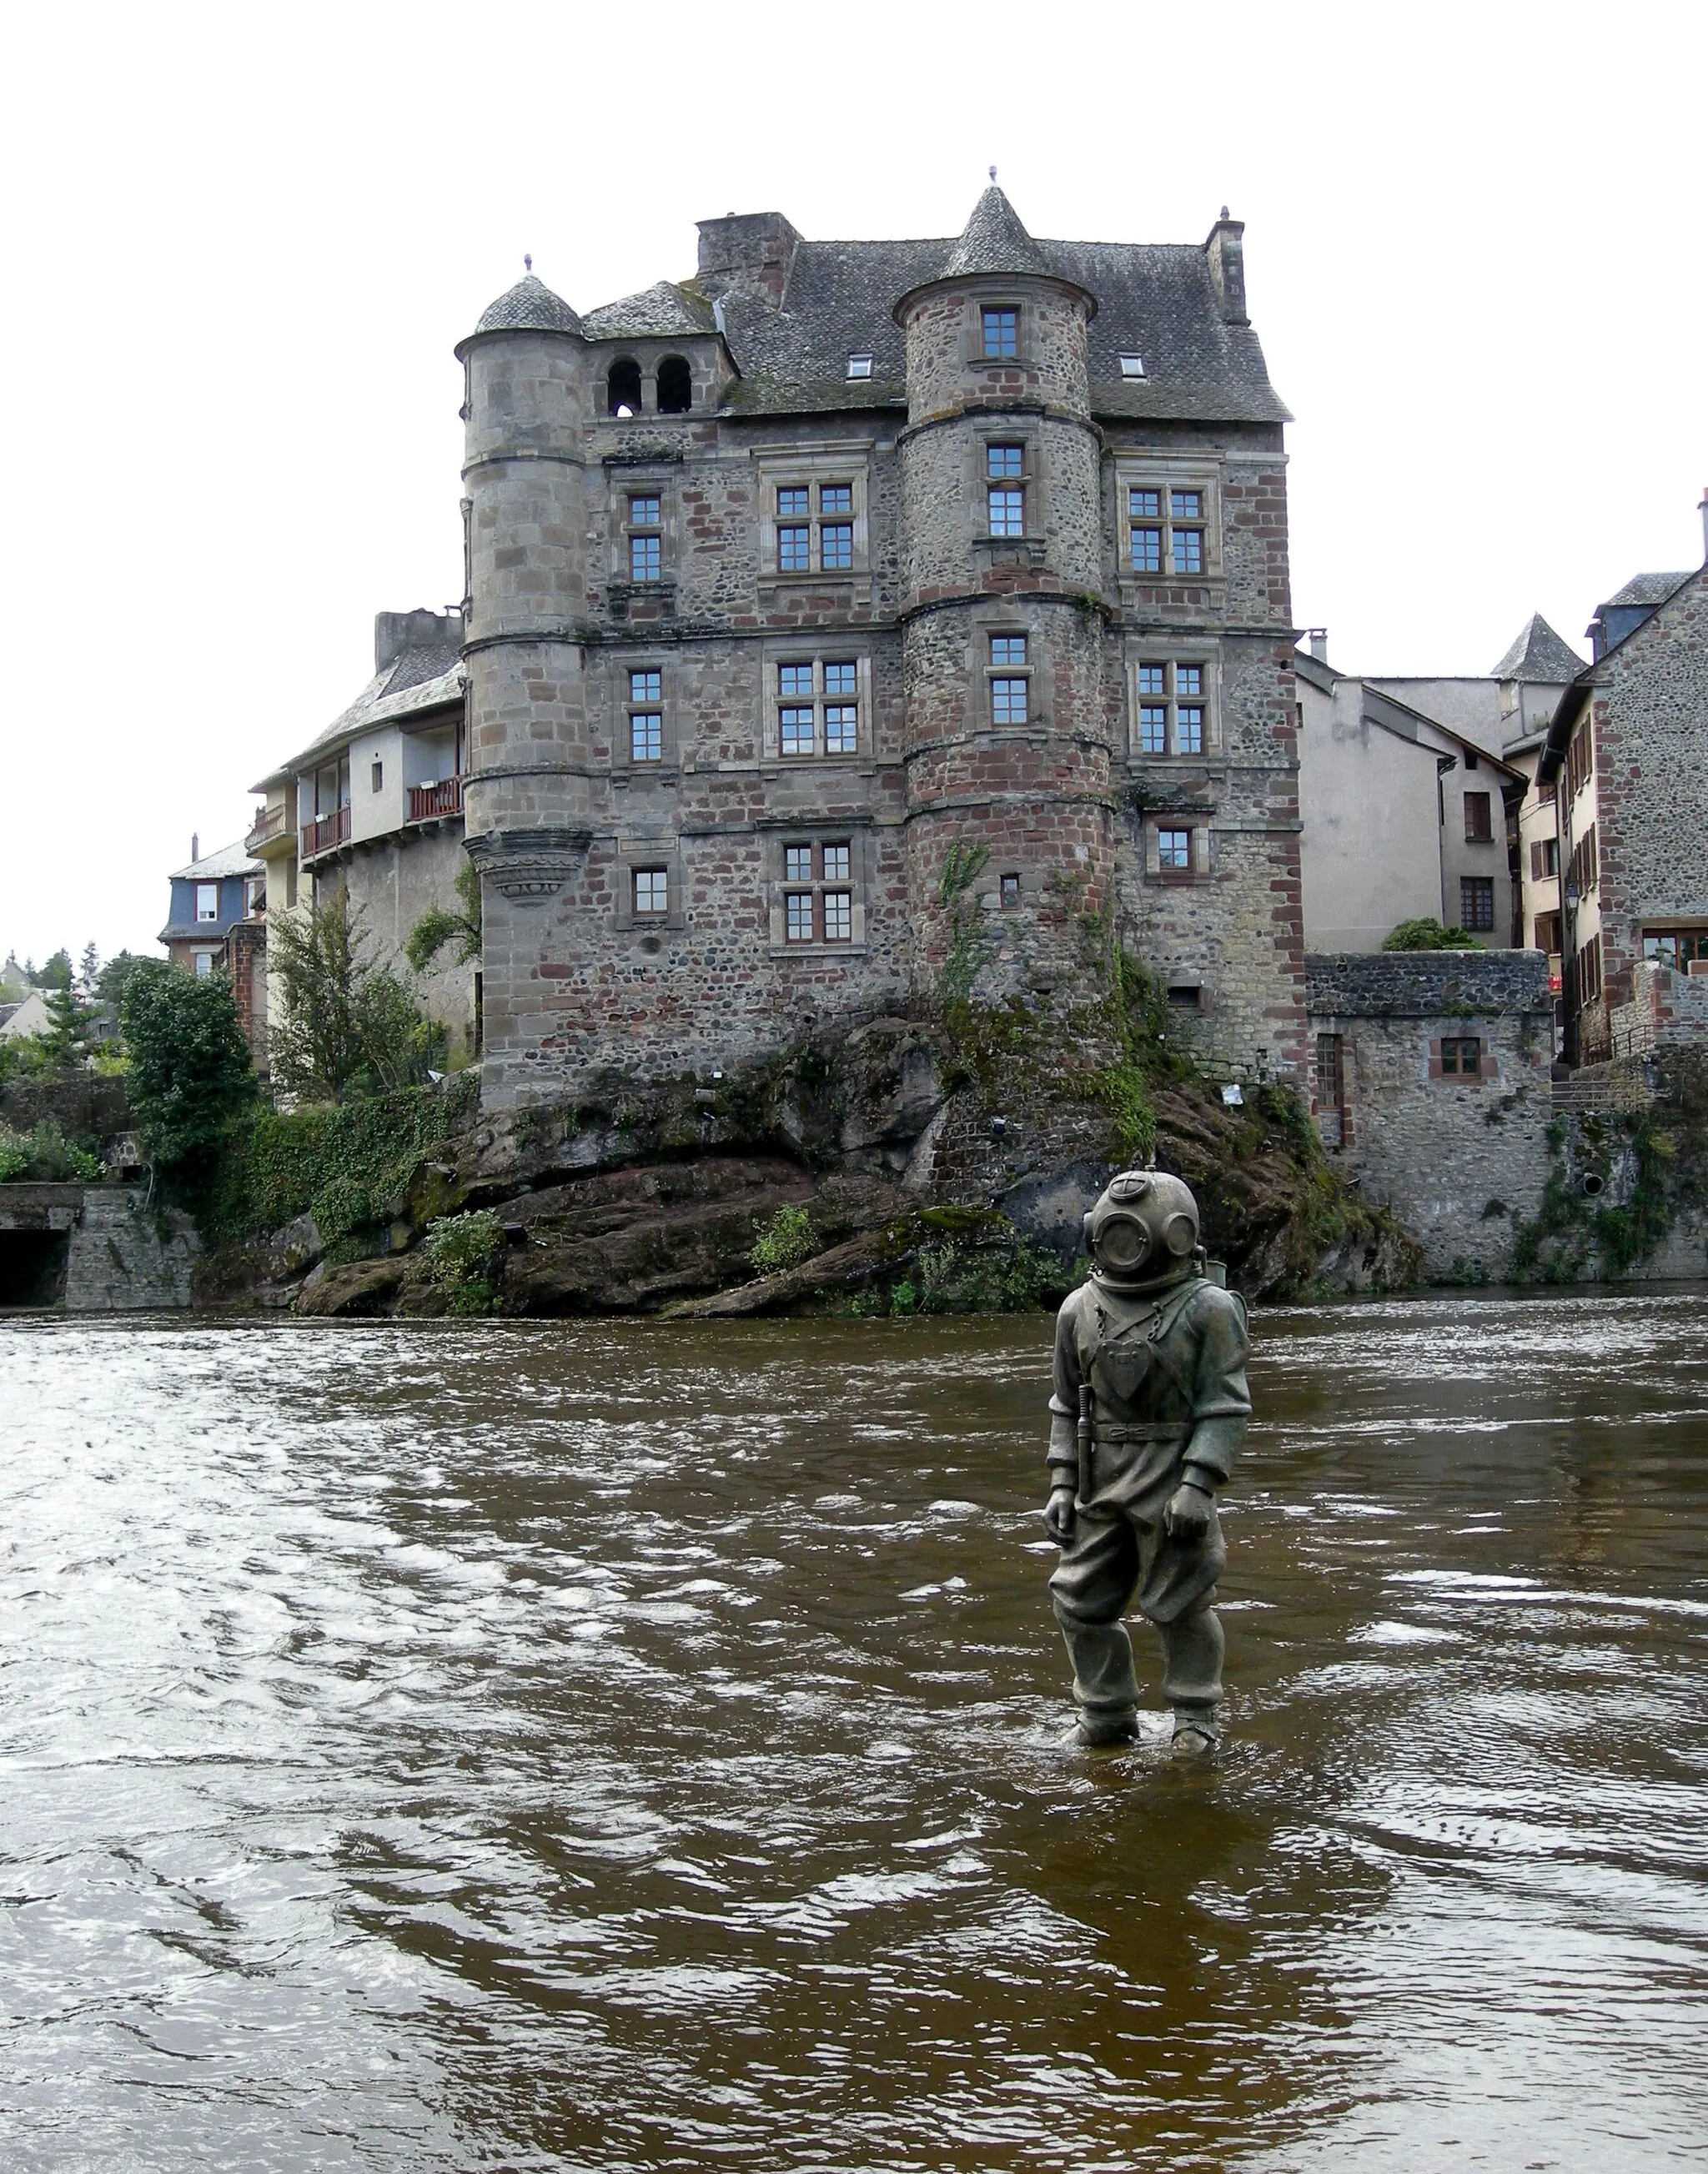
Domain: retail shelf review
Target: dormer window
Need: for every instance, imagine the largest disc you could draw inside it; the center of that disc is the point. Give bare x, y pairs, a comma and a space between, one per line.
207, 901
859, 365
1132, 365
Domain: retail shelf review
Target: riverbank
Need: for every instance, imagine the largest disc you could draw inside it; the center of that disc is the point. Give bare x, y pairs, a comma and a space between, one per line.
906, 1163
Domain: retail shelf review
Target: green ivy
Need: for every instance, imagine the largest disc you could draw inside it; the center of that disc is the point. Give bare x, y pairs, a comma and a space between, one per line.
343, 1165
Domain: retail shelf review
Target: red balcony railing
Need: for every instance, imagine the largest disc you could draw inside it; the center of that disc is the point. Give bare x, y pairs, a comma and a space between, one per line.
427, 801
325, 832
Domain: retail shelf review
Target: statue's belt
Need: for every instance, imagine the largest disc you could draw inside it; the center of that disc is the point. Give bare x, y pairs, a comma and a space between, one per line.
1168, 1430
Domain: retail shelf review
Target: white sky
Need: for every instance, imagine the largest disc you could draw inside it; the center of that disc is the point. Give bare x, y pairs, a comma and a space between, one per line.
239, 243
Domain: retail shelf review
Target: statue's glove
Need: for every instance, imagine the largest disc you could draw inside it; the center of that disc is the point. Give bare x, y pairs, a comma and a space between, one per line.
1060, 1514
1187, 1517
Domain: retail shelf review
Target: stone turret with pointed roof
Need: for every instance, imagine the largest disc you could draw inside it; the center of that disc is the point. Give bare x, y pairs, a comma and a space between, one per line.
994, 240
1539, 656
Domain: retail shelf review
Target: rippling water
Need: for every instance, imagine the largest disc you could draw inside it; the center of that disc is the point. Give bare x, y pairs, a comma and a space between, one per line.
559, 1746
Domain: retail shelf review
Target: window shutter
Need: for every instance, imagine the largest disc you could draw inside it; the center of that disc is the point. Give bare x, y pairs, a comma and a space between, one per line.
1201, 851
1153, 864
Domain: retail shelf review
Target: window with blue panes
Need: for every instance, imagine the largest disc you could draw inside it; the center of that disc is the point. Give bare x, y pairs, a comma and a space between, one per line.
1000, 330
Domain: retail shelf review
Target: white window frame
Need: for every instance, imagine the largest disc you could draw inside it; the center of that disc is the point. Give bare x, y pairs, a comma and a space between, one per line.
207, 890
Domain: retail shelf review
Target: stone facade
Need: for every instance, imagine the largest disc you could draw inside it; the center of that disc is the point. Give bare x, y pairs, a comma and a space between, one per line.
1431, 1089
760, 667
1623, 761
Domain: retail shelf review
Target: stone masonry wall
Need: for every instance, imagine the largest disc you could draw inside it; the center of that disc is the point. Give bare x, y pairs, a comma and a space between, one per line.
560, 818
1649, 712
1459, 1161
121, 1254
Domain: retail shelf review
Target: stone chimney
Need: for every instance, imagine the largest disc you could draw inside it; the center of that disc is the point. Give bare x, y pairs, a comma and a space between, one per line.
195, 848
748, 254
1225, 249
1318, 638
396, 631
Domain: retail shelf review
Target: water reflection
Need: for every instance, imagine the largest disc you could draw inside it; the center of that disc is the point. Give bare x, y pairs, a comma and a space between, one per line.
615, 1747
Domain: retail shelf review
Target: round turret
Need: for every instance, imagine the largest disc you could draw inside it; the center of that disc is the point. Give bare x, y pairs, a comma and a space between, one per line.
1009, 737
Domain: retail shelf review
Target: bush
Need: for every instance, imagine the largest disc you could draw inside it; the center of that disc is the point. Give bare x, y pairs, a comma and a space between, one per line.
46, 1157
1426, 933
465, 1257
190, 1073
784, 1241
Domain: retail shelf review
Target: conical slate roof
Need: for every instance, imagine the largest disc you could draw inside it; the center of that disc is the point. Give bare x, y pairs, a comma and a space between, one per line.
529, 306
1539, 656
993, 240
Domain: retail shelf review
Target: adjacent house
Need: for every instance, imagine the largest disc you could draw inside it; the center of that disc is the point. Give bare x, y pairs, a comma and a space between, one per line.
1624, 760
218, 924
1413, 795
373, 807
28, 1017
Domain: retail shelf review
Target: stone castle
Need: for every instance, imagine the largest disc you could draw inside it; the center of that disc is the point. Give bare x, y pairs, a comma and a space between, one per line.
860, 613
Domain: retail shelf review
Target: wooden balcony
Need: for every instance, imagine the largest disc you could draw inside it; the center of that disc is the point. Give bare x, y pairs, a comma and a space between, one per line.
325, 832
428, 801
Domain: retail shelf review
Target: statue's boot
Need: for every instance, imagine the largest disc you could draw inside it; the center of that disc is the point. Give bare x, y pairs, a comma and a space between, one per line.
1196, 1735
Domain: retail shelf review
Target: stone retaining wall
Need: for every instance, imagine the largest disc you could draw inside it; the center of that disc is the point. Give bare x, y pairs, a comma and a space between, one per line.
1433, 1093
94, 1249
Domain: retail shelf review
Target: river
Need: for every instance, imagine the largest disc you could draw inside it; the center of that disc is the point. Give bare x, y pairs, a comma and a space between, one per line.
537, 1746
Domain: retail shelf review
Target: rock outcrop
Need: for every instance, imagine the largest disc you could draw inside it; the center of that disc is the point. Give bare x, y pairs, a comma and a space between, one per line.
896, 1164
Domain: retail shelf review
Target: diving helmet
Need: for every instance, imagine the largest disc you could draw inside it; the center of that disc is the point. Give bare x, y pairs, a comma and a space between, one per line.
1143, 1230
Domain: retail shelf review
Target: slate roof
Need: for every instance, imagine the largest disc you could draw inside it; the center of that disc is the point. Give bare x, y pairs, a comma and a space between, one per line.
416, 680
1154, 300
229, 861
529, 306
1539, 656
993, 240
659, 312
1644, 589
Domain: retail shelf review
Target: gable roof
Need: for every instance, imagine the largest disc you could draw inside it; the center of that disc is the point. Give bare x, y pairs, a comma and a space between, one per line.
229, 861
1575, 699
657, 312
1645, 589
1539, 656
424, 676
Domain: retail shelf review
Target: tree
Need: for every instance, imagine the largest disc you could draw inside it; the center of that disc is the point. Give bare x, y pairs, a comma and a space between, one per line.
56, 974
438, 926
64, 1039
1426, 933
190, 1072
109, 982
89, 973
349, 1026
